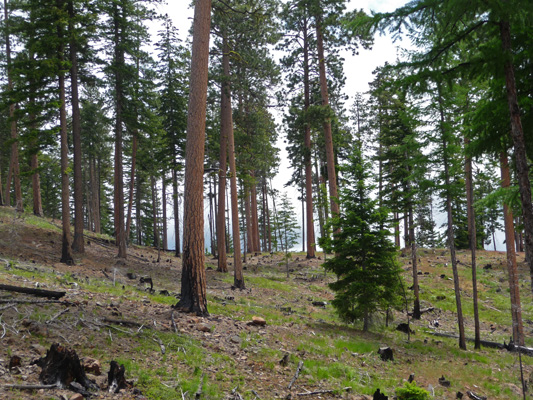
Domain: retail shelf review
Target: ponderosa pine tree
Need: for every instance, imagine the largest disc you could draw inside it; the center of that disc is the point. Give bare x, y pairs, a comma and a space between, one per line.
193, 280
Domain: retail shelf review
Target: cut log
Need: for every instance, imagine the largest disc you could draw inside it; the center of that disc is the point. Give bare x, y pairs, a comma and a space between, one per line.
62, 366
50, 294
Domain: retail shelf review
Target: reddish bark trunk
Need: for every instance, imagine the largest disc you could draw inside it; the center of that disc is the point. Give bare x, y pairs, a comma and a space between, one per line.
307, 156
517, 134
516, 307
328, 135
193, 280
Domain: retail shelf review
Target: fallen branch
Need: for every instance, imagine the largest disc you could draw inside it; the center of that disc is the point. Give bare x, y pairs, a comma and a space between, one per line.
57, 316
298, 370
11, 304
51, 294
29, 301
315, 393
423, 311
30, 387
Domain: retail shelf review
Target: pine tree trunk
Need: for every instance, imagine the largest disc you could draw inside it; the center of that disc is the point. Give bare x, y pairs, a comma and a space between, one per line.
175, 197
226, 124
34, 159
269, 229
238, 278
66, 252
451, 236
78, 242
264, 215
14, 166
154, 212
307, 155
328, 136
255, 219
118, 198
134, 147
414, 259
248, 216
164, 245
95, 194
473, 243
516, 305
138, 219
193, 280
34, 166
517, 134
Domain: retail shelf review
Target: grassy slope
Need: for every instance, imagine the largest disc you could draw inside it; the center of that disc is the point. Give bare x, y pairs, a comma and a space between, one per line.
335, 355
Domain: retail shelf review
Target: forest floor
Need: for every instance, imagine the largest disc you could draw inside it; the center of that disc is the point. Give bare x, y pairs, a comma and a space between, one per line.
108, 314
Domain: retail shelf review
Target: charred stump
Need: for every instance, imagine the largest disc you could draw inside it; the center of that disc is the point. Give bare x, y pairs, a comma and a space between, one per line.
115, 377
61, 366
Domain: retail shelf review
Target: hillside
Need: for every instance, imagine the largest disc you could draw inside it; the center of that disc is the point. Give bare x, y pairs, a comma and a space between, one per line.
231, 357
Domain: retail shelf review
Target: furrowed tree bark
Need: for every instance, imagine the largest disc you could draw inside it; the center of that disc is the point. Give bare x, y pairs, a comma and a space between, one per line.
517, 134
66, 253
78, 242
118, 198
193, 281
473, 243
14, 166
328, 136
307, 156
516, 307
225, 126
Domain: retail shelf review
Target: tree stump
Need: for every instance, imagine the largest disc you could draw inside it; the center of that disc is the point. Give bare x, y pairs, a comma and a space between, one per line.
386, 353
62, 366
115, 377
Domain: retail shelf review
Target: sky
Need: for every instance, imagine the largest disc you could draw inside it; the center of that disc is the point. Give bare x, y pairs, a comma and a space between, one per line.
358, 71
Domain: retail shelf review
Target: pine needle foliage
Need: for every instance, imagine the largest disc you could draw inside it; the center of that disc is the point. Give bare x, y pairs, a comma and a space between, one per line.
365, 262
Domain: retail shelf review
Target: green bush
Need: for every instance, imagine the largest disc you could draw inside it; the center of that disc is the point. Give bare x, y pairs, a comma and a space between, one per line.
412, 392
